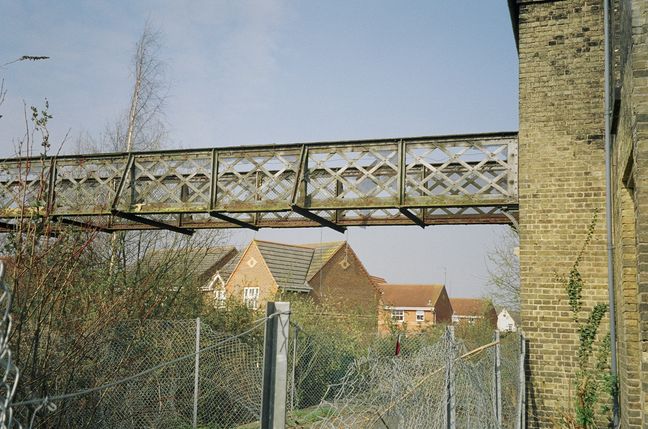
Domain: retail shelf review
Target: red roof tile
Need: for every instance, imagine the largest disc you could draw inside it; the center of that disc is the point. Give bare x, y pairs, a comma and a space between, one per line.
410, 295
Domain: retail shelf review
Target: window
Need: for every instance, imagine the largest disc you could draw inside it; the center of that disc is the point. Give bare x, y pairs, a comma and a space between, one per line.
420, 316
251, 297
220, 298
398, 315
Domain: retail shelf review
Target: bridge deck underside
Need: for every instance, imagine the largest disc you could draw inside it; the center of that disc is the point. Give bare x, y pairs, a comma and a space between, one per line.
423, 181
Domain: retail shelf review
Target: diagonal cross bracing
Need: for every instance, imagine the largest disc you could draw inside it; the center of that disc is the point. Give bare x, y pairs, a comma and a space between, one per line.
422, 180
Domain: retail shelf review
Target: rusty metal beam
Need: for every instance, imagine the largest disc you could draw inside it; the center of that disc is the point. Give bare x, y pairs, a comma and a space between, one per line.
83, 225
151, 222
233, 220
417, 220
323, 222
8, 227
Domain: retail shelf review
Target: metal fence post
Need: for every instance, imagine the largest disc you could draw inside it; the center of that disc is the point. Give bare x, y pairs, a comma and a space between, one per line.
196, 375
275, 365
294, 364
521, 408
497, 378
449, 387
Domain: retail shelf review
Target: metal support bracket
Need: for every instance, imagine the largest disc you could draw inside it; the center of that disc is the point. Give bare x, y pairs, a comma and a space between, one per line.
514, 222
151, 222
83, 225
319, 219
411, 216
8, 227
233, 220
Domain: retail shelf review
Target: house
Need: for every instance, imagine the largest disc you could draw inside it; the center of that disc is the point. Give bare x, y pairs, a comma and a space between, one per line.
505, 321
471, 310
329, 273
210, 266
413, 306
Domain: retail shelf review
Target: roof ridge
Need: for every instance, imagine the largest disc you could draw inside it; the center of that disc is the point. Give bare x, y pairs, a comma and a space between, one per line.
282, 244
413, 284
321, 243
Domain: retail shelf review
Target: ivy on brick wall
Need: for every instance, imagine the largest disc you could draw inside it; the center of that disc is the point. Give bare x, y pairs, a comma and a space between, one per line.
594, 385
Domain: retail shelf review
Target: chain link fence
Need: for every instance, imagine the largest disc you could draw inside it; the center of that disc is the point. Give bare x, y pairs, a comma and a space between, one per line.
149, 376
10, 373
184, 374
403, 381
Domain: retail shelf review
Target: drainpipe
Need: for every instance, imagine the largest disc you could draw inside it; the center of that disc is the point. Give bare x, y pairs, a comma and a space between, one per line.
608, 206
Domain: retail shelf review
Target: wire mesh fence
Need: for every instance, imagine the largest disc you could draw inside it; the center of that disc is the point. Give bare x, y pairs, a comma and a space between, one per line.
10, 373
220, 389
404, 382
185, 374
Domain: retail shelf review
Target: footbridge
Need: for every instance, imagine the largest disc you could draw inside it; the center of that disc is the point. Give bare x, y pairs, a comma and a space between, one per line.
462, 179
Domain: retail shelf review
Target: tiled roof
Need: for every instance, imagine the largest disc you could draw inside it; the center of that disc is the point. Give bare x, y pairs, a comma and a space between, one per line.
378, 280
289, 264
468, 306
199, 261
408, 295
323, 252
226, 271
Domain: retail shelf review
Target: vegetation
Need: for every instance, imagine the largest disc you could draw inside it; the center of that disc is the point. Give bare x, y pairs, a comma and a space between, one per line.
503, 265
593, 384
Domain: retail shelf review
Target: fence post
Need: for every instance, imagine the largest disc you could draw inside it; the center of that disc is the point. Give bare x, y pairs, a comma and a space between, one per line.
196, 375
449, 387
275, 365
294, 364
497, 378
521, 408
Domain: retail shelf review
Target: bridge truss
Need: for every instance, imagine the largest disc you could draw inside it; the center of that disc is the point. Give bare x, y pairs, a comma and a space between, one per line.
465, 179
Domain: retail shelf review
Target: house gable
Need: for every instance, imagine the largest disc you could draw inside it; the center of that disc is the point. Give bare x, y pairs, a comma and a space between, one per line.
344, 282
251, 271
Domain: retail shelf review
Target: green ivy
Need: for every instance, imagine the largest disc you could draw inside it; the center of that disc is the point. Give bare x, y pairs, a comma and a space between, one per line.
594, 384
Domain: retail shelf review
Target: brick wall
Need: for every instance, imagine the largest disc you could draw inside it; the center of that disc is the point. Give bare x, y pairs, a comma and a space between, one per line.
561, 186
350, 289
257, 275
630, 215
443, 308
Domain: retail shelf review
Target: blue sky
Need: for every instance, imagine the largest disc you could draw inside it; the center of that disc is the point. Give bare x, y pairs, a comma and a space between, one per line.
274, 71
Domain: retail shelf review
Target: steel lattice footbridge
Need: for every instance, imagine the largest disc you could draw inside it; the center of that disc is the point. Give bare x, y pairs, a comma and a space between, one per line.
463, 179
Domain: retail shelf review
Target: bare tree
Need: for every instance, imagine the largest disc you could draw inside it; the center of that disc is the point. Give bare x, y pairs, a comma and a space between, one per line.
141, 126
503, 265
144, 129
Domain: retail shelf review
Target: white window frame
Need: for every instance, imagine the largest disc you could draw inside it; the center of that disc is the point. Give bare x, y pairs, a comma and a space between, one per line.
398, 315
420, 315
251, 297
220, 297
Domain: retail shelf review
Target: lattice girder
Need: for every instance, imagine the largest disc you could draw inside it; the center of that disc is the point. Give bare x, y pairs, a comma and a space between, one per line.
456, 179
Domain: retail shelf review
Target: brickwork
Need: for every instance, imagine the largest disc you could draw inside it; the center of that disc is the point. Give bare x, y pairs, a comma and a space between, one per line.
630, 198
349, 289
252, 271
562, 185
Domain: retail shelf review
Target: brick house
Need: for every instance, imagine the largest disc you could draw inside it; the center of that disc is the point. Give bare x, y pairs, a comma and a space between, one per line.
471, 310
413, 306
330, 273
